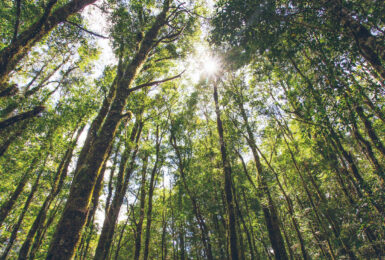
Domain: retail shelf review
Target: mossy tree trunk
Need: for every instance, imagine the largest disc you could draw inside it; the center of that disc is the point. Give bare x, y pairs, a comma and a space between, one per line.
68, 231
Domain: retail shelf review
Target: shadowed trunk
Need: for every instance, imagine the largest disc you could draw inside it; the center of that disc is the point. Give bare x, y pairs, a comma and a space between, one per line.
231, 224
22, 116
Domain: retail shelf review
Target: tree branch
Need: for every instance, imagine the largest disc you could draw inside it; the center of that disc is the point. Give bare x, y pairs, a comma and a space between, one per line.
17, 22
87, 31
148, 84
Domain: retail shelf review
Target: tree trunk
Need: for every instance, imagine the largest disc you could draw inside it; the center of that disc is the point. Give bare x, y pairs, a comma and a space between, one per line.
138, 233
154, 174
231, 223
124, 174
196, 208
269, 211
41, 232
68, 231
20, 117
21, 216
57, 185
8, 205
11, 55
370, 130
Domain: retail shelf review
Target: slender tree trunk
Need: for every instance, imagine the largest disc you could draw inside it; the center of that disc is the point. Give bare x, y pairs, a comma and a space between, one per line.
164, 223
57, 185
41, 232
20, 117
8, 205
138, 233
152, 183
118, 246
21, 216
111, 178
367, 149
366, 42
231, 223
255, 249
196, 208
269, 211
12, 137
370, 130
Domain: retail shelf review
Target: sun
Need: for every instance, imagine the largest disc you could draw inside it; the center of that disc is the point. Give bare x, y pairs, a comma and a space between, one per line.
210, 66
202, 64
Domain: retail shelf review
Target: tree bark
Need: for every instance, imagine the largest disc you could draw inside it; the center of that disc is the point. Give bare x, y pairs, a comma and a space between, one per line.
139, 225
269, 211
124, 174
68, 231
11, 55
231, 222
56, 187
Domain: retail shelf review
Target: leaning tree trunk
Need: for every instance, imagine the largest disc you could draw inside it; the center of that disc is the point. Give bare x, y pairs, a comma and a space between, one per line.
57, 185
11, 55
16, 227
69, 228
123, 177
8, 205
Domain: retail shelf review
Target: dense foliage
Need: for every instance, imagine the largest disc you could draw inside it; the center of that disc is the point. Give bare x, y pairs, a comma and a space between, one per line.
278, 152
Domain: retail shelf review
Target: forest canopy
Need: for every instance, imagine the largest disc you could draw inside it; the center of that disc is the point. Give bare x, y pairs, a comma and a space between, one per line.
172, 129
